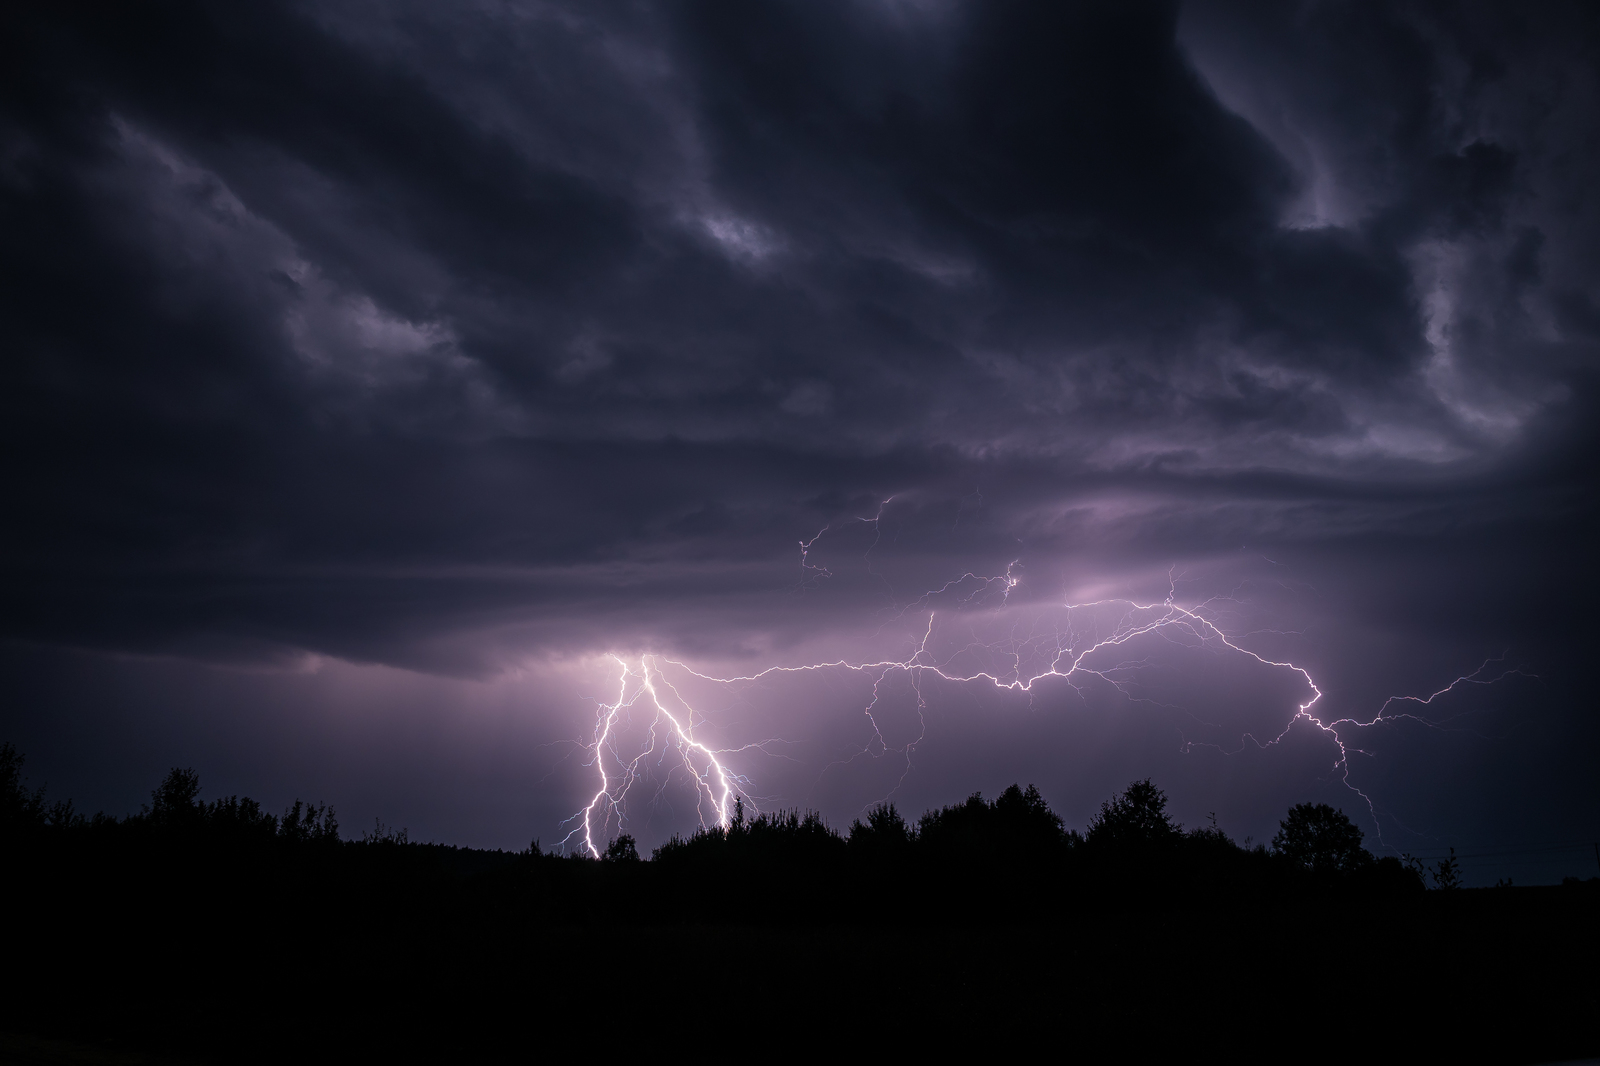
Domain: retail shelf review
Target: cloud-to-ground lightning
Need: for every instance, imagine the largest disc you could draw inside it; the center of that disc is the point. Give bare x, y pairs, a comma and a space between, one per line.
642, 681
1079, 643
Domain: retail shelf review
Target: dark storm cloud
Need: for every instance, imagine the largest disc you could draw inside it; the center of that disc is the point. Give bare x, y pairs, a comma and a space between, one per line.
351, 327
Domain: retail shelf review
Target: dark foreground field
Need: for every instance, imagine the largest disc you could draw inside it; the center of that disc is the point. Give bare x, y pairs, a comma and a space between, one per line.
264, 966
1487, 976
217, 933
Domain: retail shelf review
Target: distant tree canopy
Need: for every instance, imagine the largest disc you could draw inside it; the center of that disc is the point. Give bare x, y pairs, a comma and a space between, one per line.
1136, 817
786, 838
978, 847
1321, 839
884, 833
1016, 821
22, 809
175, 800
175, 809
18, 806
176, 805
622, 849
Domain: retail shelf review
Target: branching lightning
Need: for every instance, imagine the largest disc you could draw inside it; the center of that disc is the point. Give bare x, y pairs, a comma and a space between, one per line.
1081, 646
668, 731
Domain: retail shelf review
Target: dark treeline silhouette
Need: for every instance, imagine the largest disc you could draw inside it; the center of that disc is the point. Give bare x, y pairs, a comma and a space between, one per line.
988, 850
984, 849
979, 862
184, 926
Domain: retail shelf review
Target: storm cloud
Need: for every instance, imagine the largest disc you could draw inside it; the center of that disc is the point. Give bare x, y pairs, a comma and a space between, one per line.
443, 338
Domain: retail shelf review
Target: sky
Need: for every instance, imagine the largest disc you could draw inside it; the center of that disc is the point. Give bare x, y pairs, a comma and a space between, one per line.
393, 387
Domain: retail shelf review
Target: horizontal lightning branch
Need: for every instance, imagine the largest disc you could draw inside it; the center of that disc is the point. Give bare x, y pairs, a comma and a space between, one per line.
1064, 655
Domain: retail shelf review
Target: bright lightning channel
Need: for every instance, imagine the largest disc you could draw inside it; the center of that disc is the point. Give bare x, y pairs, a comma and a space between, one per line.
671, 729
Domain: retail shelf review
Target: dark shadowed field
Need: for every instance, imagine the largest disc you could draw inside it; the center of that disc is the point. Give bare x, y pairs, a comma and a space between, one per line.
1490, 975
216, 933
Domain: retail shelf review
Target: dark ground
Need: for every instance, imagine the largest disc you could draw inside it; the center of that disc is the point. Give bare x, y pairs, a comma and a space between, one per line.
217, 933
1494, 975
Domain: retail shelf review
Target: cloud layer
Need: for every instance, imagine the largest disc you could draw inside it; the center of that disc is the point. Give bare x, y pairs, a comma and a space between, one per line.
441, 337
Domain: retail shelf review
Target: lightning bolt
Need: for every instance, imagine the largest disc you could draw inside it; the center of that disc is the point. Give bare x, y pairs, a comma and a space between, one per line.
667, 731
1068, 652
810, 572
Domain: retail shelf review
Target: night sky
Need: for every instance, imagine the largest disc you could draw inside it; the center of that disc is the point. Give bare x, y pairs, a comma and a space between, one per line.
376, 372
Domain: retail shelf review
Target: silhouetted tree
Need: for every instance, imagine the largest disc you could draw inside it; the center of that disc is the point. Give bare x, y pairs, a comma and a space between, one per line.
622, 849
1023, 814
385, 834
775, 837
239, 819
1211, 834
1208, 845
1321, 839
175, 801
1447, 873
307, 822
884, 833
1136, 817
63, 815
1018, 824
19, 807
959, 827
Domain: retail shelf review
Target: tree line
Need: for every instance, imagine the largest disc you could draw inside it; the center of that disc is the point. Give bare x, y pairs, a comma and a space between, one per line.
1131, 848
222, 930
